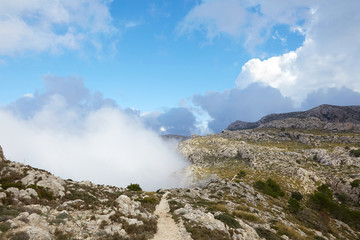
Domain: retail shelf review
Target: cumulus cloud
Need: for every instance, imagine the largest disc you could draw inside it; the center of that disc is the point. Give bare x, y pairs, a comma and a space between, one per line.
251, 20
177, 120
248, 104
71, 90
322, 70
327, 58
77, 134
255, 101
42, 25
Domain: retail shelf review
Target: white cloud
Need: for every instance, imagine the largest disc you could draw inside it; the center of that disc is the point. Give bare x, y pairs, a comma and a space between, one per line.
327, 59
75, 133
242, 18
41, 25
227, 16
106, 146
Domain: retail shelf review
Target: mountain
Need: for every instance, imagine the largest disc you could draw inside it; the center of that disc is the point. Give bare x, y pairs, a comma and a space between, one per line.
263, 183
317, 117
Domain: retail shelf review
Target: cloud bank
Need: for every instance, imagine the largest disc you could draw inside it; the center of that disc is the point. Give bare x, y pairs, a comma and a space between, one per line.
77, 134
321, 71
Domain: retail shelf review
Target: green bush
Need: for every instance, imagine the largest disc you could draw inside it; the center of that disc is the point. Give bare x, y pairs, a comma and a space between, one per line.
355, 183
294, 205
43, 193
322, 200
241, 174
355, 153
270, 188
297, 195
134, 187
228, 220
4, 226
325, 190
17, 185
267, 234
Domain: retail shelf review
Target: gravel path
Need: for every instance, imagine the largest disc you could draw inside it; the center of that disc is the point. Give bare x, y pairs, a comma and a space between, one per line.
167, 228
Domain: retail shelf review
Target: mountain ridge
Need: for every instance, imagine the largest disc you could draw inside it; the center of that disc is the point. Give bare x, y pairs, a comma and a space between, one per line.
325, 113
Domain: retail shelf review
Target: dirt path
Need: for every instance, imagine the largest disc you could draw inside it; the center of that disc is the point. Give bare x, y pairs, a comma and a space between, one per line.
167, 228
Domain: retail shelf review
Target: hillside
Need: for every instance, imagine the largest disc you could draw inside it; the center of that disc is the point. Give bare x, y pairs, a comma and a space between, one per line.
262, 183
321, 117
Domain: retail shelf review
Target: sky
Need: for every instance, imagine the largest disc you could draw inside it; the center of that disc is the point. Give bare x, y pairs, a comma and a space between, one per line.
171, 67
184, 66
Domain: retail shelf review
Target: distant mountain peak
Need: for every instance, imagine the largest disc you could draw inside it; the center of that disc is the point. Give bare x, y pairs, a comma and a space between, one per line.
325, 113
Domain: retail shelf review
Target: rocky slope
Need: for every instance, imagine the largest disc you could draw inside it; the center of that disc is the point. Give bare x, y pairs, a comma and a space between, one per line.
322, 117
298, 161
262, 183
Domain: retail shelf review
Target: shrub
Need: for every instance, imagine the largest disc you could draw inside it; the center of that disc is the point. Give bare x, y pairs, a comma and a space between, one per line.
241, 174
17, 185
355, 183
134, 187
270, 188
4, 226
355, 153
288, 231
294, 205
267, 234
297, 195
149, 203
43, 193
322, 200
217, 207
203, 233
246, 216
20, 236
103, 224
228, 220
60, 235
325, 190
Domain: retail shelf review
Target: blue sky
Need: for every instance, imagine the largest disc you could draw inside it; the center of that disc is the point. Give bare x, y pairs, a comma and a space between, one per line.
180, 66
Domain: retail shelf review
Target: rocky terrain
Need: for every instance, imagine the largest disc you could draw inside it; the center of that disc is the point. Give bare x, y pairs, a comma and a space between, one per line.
262, 183
327, 117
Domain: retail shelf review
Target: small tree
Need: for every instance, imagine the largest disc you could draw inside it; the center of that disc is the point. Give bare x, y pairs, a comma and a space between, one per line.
134, 187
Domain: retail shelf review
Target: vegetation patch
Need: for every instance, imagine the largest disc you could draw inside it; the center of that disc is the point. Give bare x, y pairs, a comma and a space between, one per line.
228, 220
288, 231
60, 235
297, 195
241, 174
270, 187
134, 187
247, 216
17, 185
43, 193
4, 226
203, 233
20, 236
322, 200
294, 205
355, 183
149, 202
267, 234
355, 153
